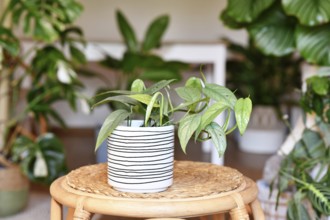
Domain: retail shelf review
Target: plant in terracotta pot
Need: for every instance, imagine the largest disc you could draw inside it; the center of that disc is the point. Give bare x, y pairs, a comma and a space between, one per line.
270, 82
35, 74
140, 153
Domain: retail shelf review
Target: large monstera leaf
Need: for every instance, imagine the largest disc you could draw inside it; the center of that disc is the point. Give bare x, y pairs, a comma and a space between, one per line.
247, 10
313, 43
41, 160
273, 32
308, 12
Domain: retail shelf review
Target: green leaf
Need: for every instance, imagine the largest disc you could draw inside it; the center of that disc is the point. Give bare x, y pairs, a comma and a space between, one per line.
151, 105
243, 108
127, 32
220, 93
319, 196
56, 117
150, 61
296, 209
25, 152
189, 104
21, 146
187, 126
111, 62
27, 23
247, 10
119, 98
194, 82
218, 137
158, 86
131, 61
138, 86
211, 113
189, 93
309, 12
314, 143
52, 151
319, 85
8, 41
155, 32
77, 55
229, 21
110, 123
313, 43
273, 33
144, 98
44, 30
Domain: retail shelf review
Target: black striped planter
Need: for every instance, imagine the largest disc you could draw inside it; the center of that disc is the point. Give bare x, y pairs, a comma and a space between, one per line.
140, 159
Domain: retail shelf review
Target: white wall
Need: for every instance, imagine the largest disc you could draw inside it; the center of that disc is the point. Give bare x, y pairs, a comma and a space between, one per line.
190, 20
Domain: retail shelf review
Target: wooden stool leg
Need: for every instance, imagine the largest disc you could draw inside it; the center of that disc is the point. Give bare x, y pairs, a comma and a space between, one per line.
80, 213
165, 219
240, 212
69, 216
220, 216
55, 210
257, 211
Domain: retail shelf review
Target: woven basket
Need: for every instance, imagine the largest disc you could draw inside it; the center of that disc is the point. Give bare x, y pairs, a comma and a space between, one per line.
268, 204
11, 178
14, 189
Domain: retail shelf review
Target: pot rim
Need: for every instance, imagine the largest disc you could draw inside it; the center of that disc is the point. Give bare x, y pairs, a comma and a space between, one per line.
136, 126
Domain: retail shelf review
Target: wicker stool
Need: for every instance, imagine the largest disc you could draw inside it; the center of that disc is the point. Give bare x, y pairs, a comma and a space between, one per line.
199, 189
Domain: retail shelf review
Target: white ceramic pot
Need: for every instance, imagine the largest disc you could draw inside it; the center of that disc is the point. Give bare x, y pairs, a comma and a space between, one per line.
140, 159
265, 133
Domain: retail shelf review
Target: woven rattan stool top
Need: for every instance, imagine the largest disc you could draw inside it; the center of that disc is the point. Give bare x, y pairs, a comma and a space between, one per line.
199, 189
191, 179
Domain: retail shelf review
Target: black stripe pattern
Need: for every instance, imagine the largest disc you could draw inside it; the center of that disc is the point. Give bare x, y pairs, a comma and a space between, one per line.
141, 159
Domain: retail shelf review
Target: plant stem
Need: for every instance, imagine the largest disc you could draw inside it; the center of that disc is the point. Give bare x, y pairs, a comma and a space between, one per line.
231, 130
294, 178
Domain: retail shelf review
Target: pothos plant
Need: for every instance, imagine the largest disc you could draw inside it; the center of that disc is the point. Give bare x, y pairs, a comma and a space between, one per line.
201, 103
306, 168
36, 75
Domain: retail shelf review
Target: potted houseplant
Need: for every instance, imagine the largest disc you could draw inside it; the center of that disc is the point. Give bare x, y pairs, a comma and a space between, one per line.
138, 61
33, 77
270, 82
280, 28
145, 164
305, 170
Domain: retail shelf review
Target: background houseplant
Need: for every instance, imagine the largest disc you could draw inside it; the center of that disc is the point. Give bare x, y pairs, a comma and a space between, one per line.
305, 171
34, 75
139, 59
280, 28
201, 103
270, 82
